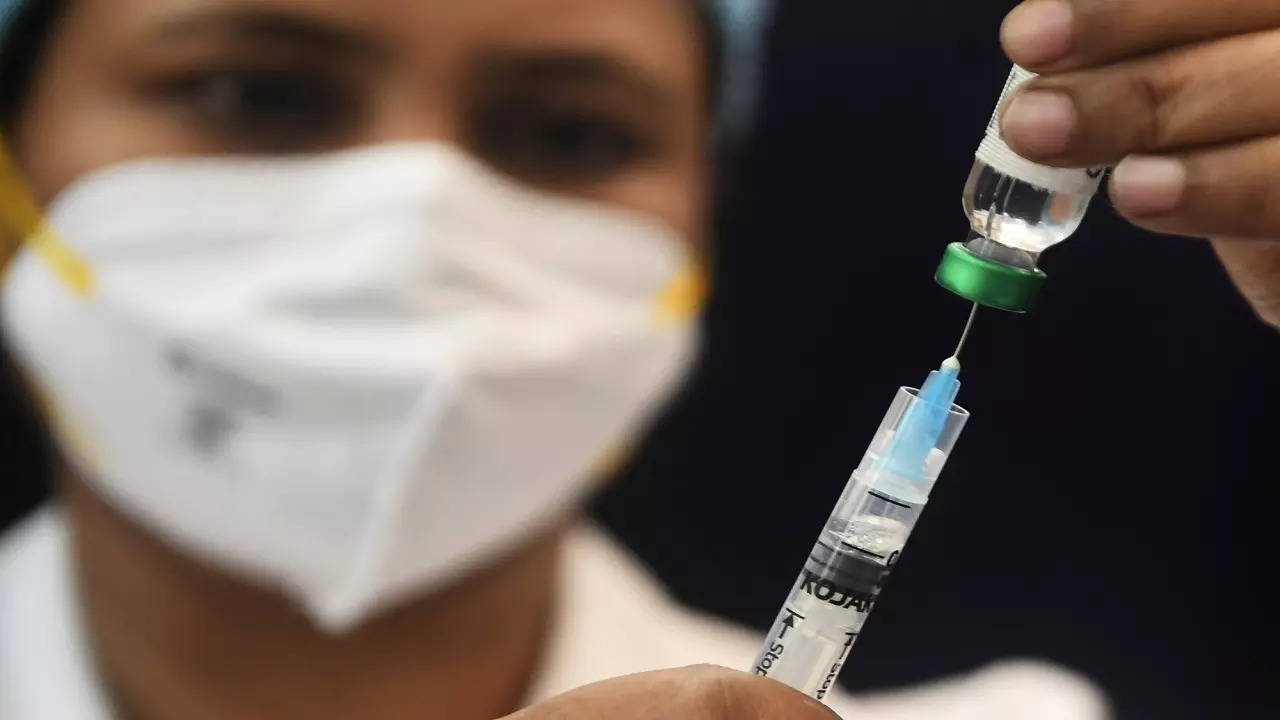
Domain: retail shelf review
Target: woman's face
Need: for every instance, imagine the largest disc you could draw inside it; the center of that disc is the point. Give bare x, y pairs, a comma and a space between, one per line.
604, 99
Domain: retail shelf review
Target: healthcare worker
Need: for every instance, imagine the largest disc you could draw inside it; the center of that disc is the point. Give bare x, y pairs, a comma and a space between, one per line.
337, 309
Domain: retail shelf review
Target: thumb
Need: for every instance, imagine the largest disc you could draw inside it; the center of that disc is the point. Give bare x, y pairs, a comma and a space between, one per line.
1254, 265
702, 692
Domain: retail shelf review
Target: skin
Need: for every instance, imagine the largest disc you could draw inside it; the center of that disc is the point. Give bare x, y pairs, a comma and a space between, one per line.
601, 99
135, 78
175, 638
694, 693
1181, 80
1182, 94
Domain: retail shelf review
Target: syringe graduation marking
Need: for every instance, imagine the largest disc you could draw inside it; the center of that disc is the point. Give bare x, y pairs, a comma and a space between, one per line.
863, 550
889, 500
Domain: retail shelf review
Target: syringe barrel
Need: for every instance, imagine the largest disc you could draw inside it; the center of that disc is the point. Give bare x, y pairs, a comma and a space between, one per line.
848, 566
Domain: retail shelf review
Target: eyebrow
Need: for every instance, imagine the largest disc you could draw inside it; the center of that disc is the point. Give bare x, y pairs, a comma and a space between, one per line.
268, 26
535, 69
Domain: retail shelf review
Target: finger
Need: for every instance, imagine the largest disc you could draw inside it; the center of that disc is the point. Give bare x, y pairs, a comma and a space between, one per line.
1205, 94
1054, 35
695, 693
1229, 190
1255, 268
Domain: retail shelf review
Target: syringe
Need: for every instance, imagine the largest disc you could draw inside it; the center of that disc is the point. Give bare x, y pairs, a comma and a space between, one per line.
830, 602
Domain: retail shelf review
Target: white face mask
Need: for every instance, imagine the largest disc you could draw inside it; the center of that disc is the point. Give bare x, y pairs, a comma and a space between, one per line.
352, 376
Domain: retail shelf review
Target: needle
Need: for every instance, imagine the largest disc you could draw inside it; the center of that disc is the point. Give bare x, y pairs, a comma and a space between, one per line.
968, 328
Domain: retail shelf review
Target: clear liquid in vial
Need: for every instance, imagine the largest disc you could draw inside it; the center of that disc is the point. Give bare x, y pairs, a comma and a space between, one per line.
1019, 216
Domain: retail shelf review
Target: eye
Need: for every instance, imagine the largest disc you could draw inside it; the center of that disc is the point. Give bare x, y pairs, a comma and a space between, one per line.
557, 143
264, 109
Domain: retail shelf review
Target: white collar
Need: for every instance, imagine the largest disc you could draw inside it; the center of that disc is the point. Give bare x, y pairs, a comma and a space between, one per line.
612, 619
45, 667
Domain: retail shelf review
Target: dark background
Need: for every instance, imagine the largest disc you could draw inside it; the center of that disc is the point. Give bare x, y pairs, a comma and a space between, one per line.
1110, 504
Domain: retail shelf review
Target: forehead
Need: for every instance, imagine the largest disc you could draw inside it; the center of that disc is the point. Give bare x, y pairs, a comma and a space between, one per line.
659, 37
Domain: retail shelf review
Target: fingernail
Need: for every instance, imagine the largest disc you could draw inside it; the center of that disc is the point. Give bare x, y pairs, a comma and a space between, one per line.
1145, 185
1039, 123
1038, 32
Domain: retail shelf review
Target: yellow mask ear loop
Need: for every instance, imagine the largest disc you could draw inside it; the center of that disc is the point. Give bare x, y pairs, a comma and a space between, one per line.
684, 297
677, 304
22, 222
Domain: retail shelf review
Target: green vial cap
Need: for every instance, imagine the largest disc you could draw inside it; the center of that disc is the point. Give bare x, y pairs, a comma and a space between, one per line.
987, 282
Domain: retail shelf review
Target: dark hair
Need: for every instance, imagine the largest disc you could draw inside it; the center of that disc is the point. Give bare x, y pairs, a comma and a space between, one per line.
713, 43
24, 42
29, 33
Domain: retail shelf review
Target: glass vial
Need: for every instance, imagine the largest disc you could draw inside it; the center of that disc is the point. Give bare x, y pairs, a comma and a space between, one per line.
1017, 208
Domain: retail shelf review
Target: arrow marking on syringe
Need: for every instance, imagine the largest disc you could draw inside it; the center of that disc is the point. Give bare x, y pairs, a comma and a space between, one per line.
790, 622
